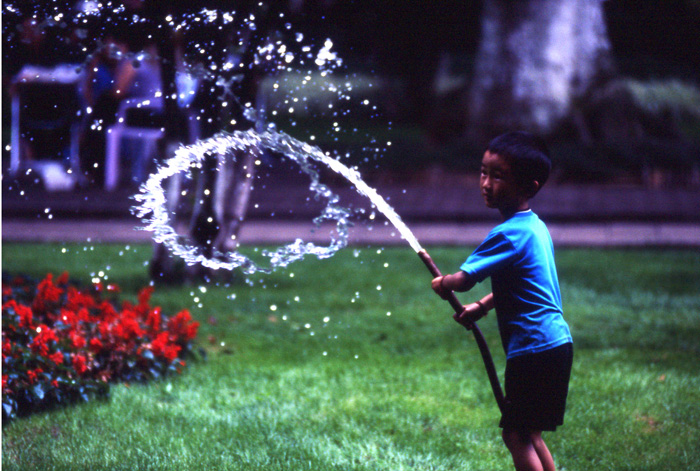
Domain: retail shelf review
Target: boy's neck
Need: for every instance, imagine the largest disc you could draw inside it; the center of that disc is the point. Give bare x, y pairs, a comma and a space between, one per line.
507, 213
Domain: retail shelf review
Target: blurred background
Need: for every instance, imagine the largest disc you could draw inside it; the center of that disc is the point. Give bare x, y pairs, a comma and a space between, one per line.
95, 94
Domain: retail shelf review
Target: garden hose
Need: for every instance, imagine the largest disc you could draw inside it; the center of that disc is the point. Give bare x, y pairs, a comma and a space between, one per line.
478, 336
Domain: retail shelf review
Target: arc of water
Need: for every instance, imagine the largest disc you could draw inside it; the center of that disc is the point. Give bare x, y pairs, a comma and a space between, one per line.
353, 176
152, 208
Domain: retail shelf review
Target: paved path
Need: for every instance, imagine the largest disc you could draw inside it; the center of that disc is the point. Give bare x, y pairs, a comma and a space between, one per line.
450, 200
594, 234
447, 211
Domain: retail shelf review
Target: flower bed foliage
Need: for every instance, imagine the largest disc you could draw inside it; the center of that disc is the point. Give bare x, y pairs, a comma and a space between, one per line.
62, 343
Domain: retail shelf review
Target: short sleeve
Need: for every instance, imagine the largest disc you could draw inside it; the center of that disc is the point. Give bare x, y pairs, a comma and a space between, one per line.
494, 253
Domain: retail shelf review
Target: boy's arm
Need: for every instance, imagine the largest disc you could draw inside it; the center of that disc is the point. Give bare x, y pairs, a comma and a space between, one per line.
475, 311
487, 302
459, 281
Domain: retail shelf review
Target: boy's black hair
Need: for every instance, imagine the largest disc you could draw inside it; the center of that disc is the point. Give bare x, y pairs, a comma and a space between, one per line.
528, 156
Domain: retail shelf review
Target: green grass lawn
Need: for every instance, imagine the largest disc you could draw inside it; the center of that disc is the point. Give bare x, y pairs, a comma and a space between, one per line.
353, 363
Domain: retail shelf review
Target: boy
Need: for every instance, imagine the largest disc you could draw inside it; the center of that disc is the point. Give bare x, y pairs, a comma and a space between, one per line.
519, 257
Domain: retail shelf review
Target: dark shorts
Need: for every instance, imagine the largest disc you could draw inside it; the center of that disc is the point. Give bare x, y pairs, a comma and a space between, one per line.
536, 389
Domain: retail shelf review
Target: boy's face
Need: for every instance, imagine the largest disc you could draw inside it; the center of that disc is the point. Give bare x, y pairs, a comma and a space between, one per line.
498, 186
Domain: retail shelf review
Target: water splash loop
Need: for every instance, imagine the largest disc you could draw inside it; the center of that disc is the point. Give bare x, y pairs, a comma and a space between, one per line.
152, 197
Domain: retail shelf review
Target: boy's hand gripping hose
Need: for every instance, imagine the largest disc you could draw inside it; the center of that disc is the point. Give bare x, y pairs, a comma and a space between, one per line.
478, 336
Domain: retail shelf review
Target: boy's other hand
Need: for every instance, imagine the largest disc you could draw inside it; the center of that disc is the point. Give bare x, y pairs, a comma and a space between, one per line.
471, 313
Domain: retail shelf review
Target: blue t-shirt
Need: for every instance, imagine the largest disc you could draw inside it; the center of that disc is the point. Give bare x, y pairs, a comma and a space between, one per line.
518, 255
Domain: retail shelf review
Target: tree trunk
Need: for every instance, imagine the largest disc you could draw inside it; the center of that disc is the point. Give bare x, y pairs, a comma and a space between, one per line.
535, 58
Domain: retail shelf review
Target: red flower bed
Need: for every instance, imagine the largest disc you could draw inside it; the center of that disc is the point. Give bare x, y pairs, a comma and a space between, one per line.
63, 344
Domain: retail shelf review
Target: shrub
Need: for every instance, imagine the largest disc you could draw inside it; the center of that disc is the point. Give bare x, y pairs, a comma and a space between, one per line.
62, 343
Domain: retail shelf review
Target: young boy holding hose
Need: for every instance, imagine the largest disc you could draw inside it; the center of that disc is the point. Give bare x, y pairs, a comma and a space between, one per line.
518, 256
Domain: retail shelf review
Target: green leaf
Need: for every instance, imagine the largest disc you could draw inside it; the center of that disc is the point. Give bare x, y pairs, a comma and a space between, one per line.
38, 391
8, 409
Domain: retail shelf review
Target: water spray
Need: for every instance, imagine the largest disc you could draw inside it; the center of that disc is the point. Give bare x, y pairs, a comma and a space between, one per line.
478, 336
154, 213
151, 201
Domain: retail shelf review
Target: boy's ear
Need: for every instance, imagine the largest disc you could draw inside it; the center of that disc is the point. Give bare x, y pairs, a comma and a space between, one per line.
532, 188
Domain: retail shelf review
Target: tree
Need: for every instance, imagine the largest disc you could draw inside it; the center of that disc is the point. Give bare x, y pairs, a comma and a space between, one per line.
534, 59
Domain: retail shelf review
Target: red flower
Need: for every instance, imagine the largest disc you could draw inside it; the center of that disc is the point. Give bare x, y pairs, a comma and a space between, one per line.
95, 344
105, 329
79, 364
171, 352
6, 347
77, 300
63, 279
162, 347
63, 329
153, 320
47, 292
107, 311
143, 307
40, 343
25, 316
84, 315
182, 326
77, 340
128, 327
33, 375
68, 317
56, 358
23, 312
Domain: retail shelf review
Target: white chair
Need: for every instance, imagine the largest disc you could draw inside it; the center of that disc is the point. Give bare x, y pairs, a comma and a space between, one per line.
149, 135
45, 99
